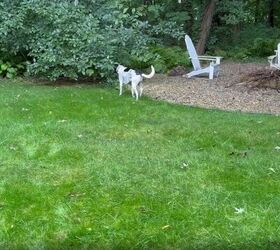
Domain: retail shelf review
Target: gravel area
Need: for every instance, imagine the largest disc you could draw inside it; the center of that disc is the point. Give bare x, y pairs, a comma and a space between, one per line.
227, 92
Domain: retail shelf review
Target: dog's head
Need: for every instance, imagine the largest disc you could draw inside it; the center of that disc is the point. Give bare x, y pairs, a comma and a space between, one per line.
120, 68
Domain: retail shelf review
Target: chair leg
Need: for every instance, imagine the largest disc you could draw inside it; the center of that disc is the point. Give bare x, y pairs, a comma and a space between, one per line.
211, 72
198, 72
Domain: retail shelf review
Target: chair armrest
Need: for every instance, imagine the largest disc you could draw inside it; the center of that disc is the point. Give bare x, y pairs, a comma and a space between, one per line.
210, 57
217, 59
272, 62
271, 57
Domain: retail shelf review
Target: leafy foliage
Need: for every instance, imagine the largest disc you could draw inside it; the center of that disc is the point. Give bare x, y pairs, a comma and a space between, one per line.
263, 47
88, 38
251, 41
10, 71
62, 39
170, 57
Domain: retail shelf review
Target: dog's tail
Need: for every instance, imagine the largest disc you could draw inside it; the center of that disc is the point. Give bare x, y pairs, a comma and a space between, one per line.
151, 74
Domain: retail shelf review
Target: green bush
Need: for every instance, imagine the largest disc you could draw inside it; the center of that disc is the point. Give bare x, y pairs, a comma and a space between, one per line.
9, 70
234, 53
263, 47
251, 41
64, 40
170, 57
138, 59
163, 58
61, 39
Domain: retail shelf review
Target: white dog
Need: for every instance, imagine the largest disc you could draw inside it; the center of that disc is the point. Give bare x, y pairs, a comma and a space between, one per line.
136, 79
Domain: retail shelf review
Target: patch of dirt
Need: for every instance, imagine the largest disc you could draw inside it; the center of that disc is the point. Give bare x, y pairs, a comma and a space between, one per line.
227, 92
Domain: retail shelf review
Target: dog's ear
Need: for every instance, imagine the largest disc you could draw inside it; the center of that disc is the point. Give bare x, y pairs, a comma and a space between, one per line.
118, 67
121, 67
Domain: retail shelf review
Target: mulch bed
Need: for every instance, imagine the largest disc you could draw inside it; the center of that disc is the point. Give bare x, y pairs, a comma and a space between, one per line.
242, 87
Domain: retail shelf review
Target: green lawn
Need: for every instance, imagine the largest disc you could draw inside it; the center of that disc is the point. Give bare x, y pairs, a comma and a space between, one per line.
82, 168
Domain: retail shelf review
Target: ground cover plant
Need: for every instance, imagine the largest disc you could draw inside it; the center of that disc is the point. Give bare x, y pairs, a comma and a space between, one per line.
84, 168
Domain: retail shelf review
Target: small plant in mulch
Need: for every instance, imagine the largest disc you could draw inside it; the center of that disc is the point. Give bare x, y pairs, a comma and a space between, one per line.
263, 78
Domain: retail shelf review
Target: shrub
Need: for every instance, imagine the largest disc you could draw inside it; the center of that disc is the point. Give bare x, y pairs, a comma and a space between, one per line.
9, 70
170, 57
253, 41
62, 39
234, 53
263, 47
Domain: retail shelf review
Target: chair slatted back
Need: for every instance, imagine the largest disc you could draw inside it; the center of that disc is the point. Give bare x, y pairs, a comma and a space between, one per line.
192, 53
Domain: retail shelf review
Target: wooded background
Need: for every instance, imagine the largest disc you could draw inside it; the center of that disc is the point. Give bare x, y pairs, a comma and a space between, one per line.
74, 38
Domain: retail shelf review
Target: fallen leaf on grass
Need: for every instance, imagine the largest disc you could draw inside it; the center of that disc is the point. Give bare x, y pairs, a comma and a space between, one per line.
239, 210
62, 121
75, 194
272, 170
77, 220
165, 227
185, 165
277, 148
241, 153
143, 209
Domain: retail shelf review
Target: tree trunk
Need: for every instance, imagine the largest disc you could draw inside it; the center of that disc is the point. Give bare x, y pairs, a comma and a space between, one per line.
190, 22
257, 11
206, 26
271, 12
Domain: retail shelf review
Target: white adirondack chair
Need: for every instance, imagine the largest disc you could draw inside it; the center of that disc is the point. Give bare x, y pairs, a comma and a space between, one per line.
274, 60
212, 70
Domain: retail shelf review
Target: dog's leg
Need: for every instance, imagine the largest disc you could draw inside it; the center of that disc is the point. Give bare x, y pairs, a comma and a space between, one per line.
134, 84
121, 88
136, 93
141, 88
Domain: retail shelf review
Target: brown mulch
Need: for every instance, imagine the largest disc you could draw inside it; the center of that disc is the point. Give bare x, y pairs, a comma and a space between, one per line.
232, 90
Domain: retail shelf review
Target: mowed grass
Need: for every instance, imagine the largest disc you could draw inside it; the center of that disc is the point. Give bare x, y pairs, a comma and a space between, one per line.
82, 168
